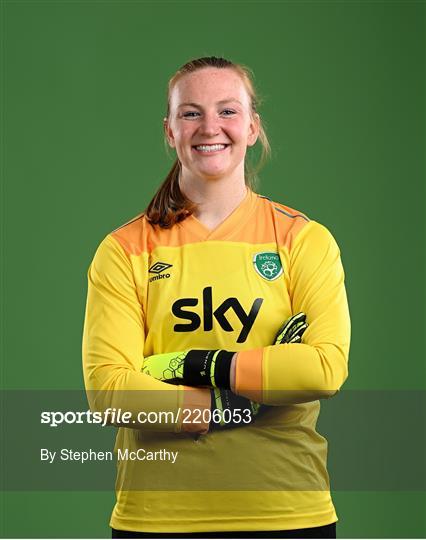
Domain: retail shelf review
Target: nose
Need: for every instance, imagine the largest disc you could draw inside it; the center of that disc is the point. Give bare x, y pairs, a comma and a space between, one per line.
210, 125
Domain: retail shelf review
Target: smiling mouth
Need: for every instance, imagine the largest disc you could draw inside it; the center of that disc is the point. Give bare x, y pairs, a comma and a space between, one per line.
209, 148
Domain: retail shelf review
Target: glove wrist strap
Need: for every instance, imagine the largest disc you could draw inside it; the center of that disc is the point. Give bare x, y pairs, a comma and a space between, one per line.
222, 370
208, 368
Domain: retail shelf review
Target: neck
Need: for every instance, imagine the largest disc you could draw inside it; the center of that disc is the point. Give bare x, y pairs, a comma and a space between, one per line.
216, 199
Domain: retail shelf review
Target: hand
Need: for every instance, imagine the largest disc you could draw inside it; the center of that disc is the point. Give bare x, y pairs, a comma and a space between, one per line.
229, 410
192, 368
292, 330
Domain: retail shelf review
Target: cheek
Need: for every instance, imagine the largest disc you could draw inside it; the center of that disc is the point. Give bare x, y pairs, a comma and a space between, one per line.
238, 130
182, 133
185, 137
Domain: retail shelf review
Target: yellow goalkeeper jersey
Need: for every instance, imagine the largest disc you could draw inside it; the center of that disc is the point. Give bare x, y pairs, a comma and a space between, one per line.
153, 290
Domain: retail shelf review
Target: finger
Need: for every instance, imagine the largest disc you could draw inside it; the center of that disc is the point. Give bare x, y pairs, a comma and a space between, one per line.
287, 327
297, 330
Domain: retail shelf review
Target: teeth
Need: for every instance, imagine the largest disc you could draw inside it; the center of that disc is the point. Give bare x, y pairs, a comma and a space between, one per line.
210, 147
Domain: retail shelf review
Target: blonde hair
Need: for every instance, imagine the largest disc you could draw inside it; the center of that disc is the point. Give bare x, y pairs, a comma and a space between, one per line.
169, 205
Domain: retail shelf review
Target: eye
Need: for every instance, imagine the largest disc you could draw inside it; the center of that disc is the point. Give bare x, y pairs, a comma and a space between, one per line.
190, 114
228, 112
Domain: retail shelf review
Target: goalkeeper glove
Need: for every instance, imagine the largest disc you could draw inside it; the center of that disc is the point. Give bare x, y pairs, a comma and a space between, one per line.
292, 330
211, 367
229, 410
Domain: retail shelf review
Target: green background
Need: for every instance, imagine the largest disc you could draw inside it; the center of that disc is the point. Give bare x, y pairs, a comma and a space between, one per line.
83, 97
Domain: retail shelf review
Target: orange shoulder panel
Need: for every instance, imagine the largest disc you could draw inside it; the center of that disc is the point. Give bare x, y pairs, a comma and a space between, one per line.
275, 221
132, 236
176, 236
138, 236
291, 223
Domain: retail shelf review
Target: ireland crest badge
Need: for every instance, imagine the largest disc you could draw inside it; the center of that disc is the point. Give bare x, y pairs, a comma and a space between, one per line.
268, 265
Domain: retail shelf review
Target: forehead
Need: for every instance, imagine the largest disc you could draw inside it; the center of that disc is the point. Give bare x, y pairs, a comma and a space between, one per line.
209, 84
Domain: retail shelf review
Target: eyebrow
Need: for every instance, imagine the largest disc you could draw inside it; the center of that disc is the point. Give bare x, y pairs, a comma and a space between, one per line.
221, 102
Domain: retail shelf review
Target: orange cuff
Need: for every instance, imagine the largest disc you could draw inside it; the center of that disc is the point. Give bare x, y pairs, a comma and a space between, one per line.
195, 402
248, 374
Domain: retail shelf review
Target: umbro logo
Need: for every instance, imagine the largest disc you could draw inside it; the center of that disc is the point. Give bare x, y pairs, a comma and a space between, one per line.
158, 268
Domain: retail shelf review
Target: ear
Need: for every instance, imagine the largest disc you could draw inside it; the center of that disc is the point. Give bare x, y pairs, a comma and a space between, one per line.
168, 132
254, 129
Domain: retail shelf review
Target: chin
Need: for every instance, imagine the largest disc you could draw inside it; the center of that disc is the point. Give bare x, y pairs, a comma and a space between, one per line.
214, 175
225, 170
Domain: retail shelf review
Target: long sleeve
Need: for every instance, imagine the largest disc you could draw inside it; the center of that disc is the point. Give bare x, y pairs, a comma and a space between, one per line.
113, 340
294, 373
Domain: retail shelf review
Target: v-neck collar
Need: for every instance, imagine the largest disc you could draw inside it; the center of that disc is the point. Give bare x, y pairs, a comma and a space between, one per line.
229, 226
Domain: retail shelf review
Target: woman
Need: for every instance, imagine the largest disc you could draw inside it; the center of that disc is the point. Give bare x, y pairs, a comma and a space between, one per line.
212, 266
